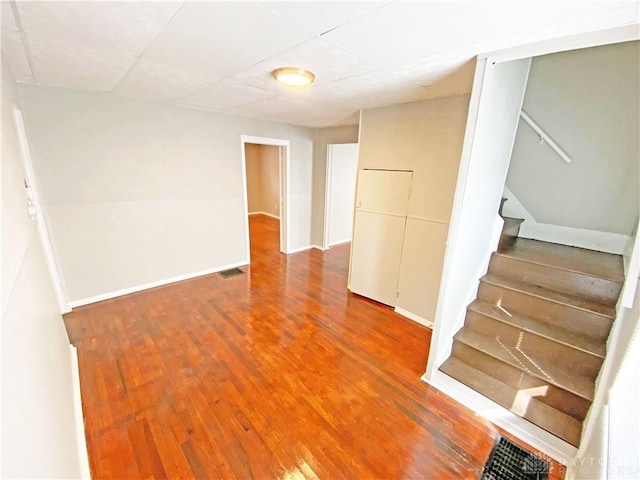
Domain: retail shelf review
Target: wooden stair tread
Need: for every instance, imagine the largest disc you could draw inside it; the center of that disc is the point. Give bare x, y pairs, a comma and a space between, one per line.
599, 308
539, 328
533, 366
545, 416
579, 260
511, 222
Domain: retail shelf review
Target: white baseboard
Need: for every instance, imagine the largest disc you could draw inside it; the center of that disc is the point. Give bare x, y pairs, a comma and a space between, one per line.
412, 316
318, 247
575, 237
265, 213
301, 249
159, 283
339, 242
83, 453
535, 436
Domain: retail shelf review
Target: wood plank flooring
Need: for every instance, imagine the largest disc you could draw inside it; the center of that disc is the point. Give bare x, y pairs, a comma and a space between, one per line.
278, 373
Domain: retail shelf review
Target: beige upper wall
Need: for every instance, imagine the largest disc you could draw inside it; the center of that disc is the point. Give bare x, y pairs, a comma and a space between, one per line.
324, 137
38, 422
138, 192
254, 183
263, 178
588, 101
425, 137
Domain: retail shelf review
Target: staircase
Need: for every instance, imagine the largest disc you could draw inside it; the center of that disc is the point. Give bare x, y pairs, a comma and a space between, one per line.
534, 338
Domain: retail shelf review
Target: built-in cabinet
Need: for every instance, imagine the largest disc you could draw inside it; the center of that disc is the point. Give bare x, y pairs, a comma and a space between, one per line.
381, 209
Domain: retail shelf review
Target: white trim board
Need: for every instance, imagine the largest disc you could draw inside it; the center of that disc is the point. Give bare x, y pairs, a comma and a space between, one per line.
302, 249
159, 283
575, 237
526, 431
412, 316
81, 440
265, 213
340, 242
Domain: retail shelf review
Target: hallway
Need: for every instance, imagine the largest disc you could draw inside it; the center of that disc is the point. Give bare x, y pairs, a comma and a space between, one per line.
276, 373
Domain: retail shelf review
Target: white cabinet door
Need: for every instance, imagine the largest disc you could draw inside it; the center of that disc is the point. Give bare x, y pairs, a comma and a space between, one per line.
382, 201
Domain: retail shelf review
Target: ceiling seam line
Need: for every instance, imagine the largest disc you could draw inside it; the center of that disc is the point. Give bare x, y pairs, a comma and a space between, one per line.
137, 60
23, 39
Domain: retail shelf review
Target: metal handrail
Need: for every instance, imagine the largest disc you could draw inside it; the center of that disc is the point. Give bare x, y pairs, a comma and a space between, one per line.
544, 137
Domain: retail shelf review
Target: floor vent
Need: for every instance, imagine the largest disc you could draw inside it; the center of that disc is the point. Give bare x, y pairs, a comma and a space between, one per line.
232, 272
508, 461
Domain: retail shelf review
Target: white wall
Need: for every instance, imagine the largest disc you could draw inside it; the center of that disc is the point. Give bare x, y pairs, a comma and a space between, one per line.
137, 192
324, 137
588, 101
342, 167
425, 137
38, 424
488, 143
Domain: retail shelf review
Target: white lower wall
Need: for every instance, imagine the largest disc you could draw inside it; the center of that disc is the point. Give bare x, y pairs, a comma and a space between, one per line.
139, 192
38, 413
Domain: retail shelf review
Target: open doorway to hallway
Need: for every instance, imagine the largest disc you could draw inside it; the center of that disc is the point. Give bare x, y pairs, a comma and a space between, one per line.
265, 167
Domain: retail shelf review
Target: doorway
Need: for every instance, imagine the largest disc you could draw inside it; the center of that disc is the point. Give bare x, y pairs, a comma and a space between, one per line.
340, 190
264, 167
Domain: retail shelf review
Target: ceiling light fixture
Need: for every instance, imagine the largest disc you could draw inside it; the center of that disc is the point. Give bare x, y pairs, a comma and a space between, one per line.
294, 77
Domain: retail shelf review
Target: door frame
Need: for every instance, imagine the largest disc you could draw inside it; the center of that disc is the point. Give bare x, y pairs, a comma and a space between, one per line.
283, 171
35, 211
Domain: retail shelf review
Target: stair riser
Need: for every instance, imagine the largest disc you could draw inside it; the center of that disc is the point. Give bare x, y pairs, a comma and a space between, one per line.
575, 361
565, 281
536, 412
564, 316
556, 397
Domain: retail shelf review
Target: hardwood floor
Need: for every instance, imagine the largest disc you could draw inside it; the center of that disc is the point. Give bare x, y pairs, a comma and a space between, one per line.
277, 373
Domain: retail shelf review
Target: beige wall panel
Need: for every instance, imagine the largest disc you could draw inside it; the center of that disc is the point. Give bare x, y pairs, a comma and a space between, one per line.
270, 179
254, 176
425, 137
421, 268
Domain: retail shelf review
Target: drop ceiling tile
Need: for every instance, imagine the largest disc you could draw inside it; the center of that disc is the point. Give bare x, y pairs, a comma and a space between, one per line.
161, 82
405, 31
127, 26
320, 17
328, 62
222, 38
227, 93
63, 63
431, 69
16, 56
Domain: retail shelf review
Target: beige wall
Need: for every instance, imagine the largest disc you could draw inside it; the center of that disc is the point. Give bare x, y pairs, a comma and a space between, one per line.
263, 178
588, 101
425, 137
323, 137
270, 167
137, 192
254, 181
38, 422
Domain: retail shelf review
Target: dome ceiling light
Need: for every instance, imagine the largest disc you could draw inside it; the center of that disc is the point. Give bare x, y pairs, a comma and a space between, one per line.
294, 77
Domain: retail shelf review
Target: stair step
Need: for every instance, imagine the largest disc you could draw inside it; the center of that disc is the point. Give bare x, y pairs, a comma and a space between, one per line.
510, 231
514, 297
589, 262
542, 329
510, 264
529, 407
606, 311
510, 222
532, 366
